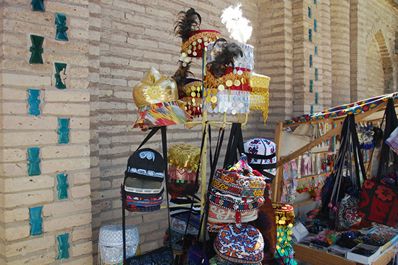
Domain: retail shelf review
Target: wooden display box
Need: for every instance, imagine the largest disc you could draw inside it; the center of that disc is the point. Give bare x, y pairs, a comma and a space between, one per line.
313, 256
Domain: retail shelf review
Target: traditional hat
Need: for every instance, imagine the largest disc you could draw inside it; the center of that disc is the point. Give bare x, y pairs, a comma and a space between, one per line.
259, 95
261, 154
143, 182
183, 160
227, 80
156, 97
192, 96
194, 40
236, 194
242, 244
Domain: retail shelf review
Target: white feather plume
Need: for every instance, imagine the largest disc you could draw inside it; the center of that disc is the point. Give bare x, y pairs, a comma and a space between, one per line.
239, 27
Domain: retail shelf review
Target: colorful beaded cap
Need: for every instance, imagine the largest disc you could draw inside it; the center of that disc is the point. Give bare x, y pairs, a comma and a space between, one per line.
197, 42
241, 244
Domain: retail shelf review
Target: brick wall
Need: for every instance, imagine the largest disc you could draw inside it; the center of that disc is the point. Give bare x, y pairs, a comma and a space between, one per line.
20, 191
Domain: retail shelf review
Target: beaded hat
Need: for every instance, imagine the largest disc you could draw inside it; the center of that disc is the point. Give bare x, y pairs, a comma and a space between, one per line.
183, 160
242, 244
192, 96
194, 39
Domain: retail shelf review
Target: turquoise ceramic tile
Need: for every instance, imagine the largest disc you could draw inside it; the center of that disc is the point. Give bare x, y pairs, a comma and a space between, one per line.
34, 161
36, 49
60, 75
38, 5
310, 35
310, 59
312, 109
63, 246
316, 98
61, 27
34, 102
309, 12
316, 50
315, 26
62, 186
316, 74
63, 130
311, 85
36, 221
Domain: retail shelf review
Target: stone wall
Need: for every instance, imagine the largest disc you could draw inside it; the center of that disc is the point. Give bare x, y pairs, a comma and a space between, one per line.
45, 167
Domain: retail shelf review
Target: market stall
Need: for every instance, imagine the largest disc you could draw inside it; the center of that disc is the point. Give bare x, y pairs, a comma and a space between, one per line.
328, 165
221, 216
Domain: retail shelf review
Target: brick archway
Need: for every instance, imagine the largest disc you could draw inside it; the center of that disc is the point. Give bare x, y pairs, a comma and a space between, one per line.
386, 61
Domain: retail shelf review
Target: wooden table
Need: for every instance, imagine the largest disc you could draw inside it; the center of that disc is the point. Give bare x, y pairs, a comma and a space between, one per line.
314, 256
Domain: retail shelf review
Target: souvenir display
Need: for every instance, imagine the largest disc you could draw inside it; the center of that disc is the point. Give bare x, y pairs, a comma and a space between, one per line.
143, 182
183, 167
242, 244
156, 97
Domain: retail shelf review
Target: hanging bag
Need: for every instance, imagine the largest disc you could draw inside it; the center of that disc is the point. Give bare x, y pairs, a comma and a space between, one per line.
340, 193
163, 255
379, 196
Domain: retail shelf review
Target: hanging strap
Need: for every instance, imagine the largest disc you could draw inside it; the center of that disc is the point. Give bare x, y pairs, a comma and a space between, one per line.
235, 146
164, 149
213, 165
391, 122
197, 175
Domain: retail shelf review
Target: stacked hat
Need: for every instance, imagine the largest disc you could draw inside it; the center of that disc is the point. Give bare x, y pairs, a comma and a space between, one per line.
240, 244
235, 195
183, 165
156, 97
143, 182
261, 154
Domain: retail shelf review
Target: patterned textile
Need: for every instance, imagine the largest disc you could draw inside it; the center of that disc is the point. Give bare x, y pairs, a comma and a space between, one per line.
161, 114
352, 108
241, 244
218, 214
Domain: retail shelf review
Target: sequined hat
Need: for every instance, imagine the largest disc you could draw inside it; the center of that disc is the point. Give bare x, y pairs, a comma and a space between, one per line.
242, 244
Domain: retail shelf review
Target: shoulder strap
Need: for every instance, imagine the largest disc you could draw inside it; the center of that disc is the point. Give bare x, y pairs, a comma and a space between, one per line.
164, 149
149, 136
391, 122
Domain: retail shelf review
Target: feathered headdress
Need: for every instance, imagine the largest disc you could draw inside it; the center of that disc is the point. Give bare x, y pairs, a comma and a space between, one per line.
181, 75
239, 27
225, 57
187, 22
